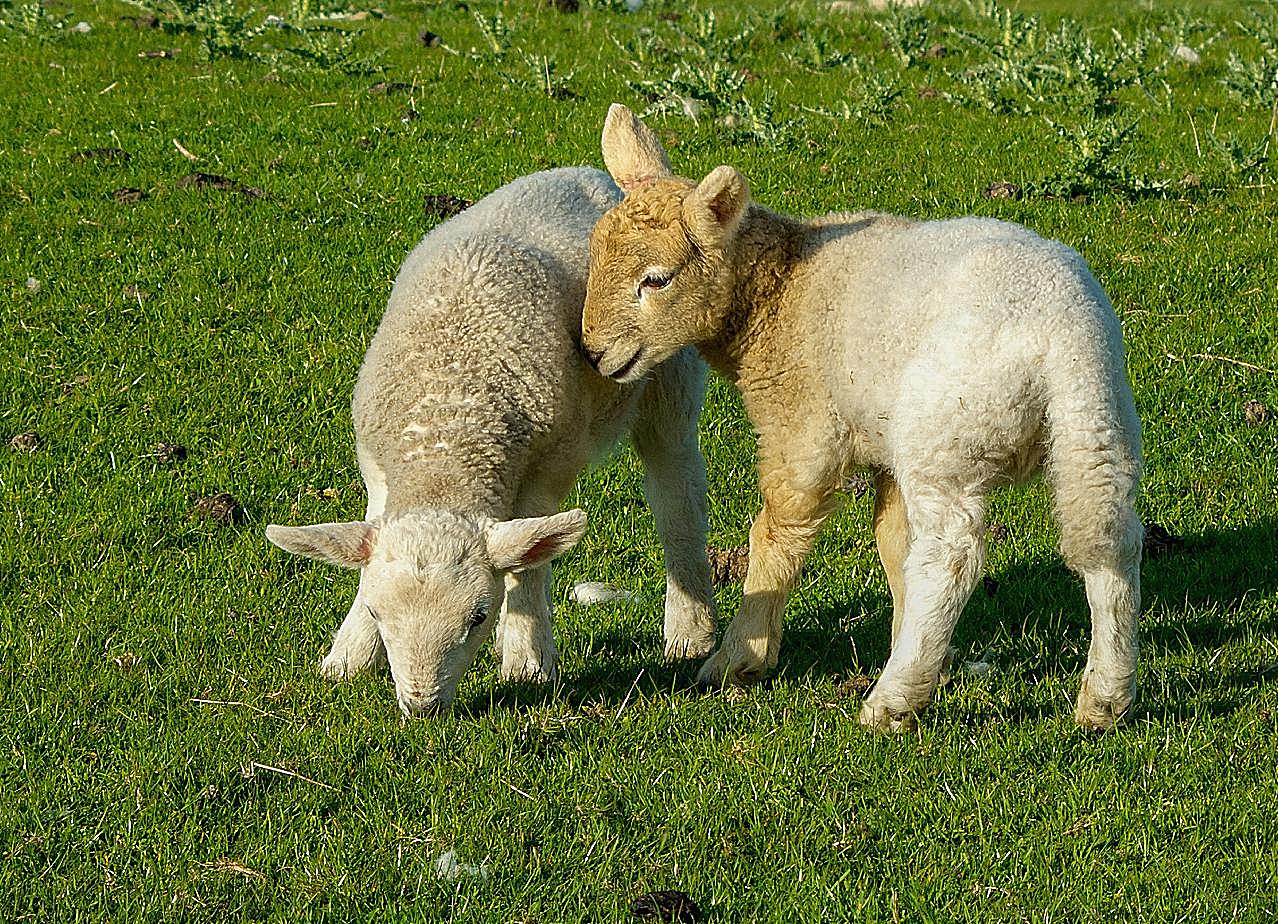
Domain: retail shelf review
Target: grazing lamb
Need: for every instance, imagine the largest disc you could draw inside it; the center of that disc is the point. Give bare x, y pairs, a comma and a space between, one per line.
946, 356
474, 413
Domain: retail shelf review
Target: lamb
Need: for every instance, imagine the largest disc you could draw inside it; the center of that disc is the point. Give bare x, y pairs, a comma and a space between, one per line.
474, 413
948, 357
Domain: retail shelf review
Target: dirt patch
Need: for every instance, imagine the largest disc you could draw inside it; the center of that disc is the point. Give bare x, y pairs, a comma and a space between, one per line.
161, 53
145, 21
1002, 190
856, 685
429, 39
202, 181
165, 453
666, 905
125, 662
444, 206
1159, 541
128, 194
387, 87
1256, 413
109, 155
858, 484
28, 441
220, 508
566, 6
728, 566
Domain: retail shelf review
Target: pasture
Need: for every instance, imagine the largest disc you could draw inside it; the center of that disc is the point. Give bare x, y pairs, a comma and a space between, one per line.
201, 214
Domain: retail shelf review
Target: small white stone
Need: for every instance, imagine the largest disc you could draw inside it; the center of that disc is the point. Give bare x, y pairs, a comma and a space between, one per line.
448, 867
590, 593
1186, 54
634, 5
34, 285
81, 27
977, 668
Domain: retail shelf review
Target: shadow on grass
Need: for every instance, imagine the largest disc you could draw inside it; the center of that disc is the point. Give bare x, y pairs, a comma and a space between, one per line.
1194, 600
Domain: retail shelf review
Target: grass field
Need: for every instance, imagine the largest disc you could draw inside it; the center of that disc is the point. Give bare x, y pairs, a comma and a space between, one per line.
167, 750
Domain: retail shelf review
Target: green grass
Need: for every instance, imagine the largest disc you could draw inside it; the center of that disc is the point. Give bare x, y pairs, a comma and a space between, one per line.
154, 666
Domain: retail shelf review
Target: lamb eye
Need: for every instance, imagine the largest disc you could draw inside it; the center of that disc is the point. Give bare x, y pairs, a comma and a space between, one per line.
652, 282
478, 615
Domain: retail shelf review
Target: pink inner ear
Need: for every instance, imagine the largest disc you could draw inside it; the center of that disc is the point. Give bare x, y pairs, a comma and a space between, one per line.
543, 547
366, 547
723, 206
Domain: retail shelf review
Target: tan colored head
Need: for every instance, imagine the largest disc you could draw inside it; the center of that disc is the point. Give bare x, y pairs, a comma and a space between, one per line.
660, 278
434, 581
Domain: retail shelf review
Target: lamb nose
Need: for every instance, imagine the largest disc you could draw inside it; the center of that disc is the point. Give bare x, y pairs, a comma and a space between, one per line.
592, 356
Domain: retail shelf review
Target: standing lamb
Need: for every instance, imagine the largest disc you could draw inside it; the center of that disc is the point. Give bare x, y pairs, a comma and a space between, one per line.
474, 413
947, 356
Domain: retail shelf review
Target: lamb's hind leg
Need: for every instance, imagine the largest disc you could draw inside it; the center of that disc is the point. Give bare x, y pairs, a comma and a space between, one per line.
665, 436
1101, 540
944, 561
892, 536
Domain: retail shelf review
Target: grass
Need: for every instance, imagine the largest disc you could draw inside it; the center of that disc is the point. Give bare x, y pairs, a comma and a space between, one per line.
168, 750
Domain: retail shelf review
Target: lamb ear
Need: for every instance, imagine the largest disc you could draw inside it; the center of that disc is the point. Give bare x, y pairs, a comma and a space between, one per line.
517, 545
347, 544
631, 151
716, 206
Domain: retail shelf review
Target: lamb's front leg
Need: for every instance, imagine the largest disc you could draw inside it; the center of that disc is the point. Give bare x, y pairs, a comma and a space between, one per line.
357, 644
780, 538
674, 482
525, 632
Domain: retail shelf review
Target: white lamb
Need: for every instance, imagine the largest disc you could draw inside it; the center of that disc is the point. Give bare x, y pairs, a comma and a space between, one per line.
474, 413
947, 356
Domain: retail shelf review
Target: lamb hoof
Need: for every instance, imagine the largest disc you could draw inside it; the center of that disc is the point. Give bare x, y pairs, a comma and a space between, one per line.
529, 672
1097, 713
339, 666
686, 649
880, 718
721, 671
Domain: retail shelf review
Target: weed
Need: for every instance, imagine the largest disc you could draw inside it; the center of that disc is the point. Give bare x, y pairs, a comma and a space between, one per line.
541, 73
872, 99
642, 49
906, 33
28, 20
223, 30
1254, 80
1243, 161
328, 51
1095, 159
1011, 44
495, 31
714, 91
693, 90
1091, 75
